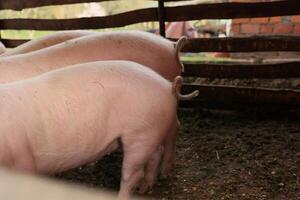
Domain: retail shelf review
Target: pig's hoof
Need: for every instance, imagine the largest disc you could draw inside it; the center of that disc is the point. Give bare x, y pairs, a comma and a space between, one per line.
165, 174
145, 186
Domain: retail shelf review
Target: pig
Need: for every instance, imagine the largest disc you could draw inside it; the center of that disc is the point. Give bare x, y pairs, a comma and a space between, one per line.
46, 41
147, 49
2, 49
75, 115
178, 29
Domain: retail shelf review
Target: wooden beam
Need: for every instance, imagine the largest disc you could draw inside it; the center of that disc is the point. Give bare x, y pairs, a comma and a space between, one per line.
198, 103
179, 13
118, 20
23, 4
243, 70
248, 95
9, 43
191, 12
15, 185
161, 18
244, 44
232, 10
230, 44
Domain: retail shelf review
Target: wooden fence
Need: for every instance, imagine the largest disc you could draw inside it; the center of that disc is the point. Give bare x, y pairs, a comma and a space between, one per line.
208, 93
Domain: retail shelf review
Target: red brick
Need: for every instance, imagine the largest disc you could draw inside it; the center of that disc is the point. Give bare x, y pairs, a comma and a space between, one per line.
266, 28
241, 21
283, 28
236, 29
297, 29
260, 20
275, 19
295, 19
250, 28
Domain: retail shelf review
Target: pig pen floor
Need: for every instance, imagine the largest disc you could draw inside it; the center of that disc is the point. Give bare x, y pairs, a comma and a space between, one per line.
219, 156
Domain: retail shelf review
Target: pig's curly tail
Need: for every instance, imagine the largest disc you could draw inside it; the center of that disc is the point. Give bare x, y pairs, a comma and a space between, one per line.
177, 84
178, 46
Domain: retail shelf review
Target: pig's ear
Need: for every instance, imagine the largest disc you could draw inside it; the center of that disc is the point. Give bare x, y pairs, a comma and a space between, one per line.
178, 46
176, 87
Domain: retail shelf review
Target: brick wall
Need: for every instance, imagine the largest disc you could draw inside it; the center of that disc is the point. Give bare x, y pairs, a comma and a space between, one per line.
285, 25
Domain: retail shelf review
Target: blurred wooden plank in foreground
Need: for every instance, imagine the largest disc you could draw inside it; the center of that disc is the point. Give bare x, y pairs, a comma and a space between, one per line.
18, 186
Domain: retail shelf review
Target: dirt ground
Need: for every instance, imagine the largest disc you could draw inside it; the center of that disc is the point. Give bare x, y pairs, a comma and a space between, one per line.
220, 155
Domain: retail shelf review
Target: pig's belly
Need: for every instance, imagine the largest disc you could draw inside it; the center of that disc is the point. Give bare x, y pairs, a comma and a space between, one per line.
50, 163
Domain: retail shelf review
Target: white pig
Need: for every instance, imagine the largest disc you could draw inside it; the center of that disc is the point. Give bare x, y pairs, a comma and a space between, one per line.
147, 49
2, 49
75, 115
46, 41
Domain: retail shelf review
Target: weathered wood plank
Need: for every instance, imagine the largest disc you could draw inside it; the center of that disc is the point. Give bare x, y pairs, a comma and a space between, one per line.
233, 10
179, 13
243, 70
198, 103
118, 20
15, 185
11, 43
244, 44
201, 11
22, 4
161, 18
230, 44
248, 95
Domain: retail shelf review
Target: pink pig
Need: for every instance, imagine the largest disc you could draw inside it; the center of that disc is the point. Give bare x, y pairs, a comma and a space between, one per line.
46, 41
145, 48
2, 49
75, 115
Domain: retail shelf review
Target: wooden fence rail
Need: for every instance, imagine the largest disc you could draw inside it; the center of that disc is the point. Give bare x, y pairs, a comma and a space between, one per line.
111, 21
248, 95
244, 44
12, 43
23, 4
233, 10
230, 44
178, 13
243, 70
208, 93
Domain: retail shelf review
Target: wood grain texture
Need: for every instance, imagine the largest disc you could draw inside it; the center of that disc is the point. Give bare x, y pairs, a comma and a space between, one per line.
246, 95
243, 70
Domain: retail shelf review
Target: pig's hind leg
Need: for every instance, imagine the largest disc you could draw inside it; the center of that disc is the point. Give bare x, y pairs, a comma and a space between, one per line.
151, 171
138, 150
170, 149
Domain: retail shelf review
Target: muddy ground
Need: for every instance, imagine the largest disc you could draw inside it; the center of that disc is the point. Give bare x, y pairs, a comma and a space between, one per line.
220, 155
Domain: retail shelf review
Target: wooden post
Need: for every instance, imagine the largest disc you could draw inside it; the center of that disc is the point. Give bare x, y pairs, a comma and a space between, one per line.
161, 18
